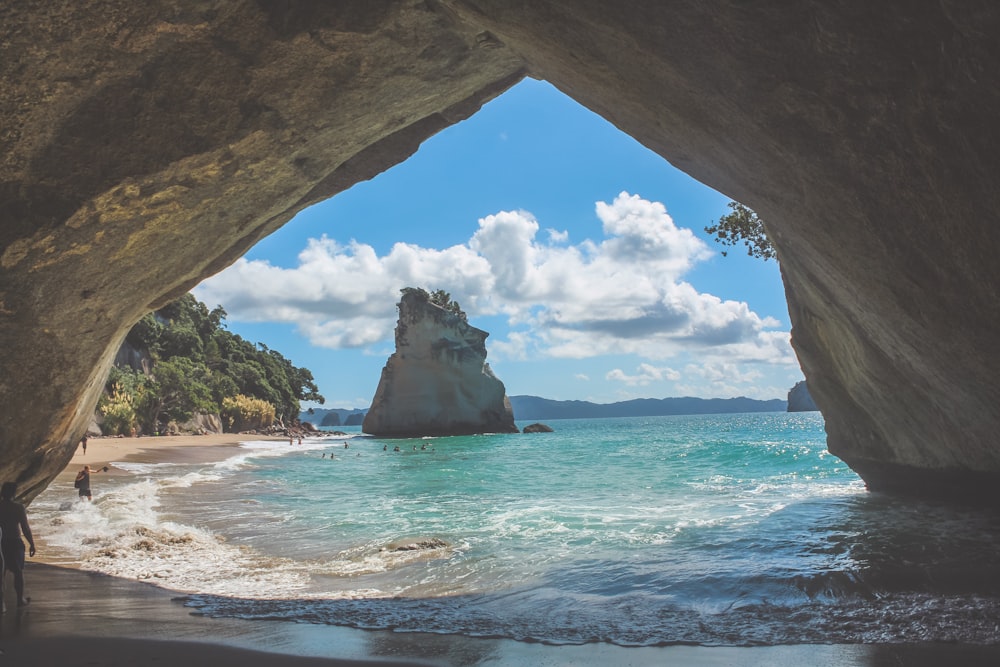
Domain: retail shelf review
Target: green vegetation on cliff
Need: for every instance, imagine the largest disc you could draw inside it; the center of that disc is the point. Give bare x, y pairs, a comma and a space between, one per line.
437, 297
200, 367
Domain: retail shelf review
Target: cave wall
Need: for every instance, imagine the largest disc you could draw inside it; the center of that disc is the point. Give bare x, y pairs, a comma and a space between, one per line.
145, 146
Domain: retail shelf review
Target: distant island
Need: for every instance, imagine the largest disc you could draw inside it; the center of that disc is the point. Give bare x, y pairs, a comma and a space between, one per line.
534, 408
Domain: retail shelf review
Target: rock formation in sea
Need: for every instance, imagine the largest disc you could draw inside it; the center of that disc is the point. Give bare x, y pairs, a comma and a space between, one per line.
354, 419
537, 427
437, 382
147, 145
799, 399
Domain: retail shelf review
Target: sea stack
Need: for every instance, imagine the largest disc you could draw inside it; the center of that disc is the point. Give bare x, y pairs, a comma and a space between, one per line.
437, 382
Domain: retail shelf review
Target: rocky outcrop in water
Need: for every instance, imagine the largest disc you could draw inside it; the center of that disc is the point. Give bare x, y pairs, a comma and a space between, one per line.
354, 419
537, 428
145, 146
437, 382
799, 399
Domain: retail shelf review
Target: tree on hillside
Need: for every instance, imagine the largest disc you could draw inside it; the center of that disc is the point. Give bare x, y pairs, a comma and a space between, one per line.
742, 224
182, 389
197, 364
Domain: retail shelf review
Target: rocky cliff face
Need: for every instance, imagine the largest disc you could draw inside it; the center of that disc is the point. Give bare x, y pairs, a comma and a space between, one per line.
437, 382
145, 146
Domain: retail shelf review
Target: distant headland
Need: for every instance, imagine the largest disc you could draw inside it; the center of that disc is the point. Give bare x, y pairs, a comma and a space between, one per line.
534, 408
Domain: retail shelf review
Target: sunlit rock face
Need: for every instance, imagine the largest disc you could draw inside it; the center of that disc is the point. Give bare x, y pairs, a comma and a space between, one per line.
437, 382
145, 146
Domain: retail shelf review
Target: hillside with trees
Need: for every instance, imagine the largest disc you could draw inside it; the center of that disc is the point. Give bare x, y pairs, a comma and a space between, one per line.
183, 362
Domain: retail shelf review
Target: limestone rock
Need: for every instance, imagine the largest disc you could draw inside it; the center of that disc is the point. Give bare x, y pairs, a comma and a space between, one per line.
799, 399
537, 428
424, 544
202, 423
437, 382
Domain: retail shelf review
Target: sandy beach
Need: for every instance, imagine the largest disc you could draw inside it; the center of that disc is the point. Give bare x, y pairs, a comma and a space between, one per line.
82, 618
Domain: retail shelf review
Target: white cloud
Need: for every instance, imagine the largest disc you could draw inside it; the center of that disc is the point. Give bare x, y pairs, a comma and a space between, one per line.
517, 347
647, 373
727, 379
715, 372
641, 230
623, 294
557, 236
583, 377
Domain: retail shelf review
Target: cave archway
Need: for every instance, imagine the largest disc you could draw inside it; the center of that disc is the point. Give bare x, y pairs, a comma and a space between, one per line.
501, 210
149, 147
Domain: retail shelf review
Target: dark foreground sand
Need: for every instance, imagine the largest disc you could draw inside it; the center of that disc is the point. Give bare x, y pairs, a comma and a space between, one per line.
82, 619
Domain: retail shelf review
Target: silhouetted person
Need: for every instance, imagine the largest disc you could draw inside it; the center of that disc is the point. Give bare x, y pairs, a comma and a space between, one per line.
83, 443
14, 522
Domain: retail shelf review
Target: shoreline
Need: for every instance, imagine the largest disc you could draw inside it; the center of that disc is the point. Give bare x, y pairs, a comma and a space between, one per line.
83, 618
208, 448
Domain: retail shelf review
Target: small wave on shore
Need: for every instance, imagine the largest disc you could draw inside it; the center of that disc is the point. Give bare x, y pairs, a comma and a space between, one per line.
130, 531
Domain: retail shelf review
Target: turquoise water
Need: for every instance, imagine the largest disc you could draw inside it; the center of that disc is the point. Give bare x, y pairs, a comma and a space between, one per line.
716, 530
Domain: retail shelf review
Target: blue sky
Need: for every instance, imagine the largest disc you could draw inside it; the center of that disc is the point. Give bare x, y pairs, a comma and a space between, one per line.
581, 252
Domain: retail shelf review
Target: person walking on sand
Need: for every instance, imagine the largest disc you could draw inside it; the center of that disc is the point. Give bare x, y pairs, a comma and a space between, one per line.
14, 522
83, 443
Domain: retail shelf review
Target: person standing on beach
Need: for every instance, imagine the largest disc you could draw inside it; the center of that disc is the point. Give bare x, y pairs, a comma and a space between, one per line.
83, 443
14, 521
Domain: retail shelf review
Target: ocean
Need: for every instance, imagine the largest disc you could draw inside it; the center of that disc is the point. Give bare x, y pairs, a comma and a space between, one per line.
715, 530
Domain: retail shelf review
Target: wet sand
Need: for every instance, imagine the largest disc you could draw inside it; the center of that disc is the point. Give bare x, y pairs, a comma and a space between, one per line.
164, 449
80, 618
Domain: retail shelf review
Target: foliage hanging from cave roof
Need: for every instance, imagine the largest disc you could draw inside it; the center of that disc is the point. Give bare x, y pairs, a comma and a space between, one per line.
742, 224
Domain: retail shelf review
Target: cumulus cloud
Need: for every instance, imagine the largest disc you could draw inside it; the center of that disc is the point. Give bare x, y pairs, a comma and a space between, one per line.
647, 373
622, 294
726, 378
557, 236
